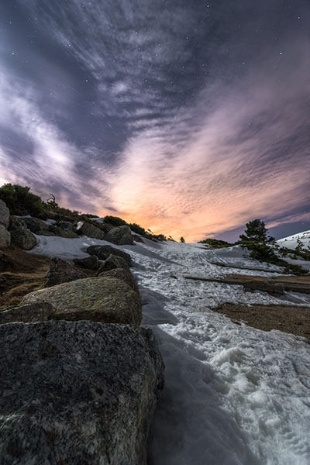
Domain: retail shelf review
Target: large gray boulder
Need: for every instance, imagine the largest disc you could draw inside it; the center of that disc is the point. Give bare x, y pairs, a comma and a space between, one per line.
21, 236
77, 393
120, 235
104, 251
5, 237
97, 299
4, 214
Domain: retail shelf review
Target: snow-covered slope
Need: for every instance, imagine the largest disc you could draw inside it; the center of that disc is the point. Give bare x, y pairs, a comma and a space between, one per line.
290, 242
234, 395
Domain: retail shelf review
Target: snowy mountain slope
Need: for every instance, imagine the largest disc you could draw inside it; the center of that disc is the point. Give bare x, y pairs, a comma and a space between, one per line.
290, 242
234, 395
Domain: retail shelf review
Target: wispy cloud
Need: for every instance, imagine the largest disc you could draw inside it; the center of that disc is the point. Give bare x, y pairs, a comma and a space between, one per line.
187, 119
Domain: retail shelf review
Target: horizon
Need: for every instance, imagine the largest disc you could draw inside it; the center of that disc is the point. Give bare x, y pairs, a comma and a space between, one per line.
230, 236
191, 119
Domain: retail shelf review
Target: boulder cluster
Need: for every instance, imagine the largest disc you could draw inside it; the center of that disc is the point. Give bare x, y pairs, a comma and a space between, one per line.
79, 377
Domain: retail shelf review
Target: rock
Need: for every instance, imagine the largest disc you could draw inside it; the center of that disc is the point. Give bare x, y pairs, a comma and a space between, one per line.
30, 313
120, 235
97, 299
62, 271
5, 237
37, 226
124, 275
62, 232
4, 215
105, 227
77, 393
104, 251
111, 263
86, 229
21, 236
90, 263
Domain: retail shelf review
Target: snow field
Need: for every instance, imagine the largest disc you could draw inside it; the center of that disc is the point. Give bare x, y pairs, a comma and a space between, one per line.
234, 395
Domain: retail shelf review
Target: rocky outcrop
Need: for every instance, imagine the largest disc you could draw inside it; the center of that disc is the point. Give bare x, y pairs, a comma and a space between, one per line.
21, 236
120, 235
61, 271
104, 251
41, 228
97, 299
4, 215
77, 393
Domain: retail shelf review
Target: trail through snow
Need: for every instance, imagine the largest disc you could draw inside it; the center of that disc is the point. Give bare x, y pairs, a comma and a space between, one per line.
234, 395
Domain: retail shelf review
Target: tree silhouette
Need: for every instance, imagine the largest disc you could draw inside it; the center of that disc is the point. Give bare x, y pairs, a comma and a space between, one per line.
256, 231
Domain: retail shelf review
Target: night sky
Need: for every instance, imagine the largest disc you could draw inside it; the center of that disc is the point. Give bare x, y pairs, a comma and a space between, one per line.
187, 117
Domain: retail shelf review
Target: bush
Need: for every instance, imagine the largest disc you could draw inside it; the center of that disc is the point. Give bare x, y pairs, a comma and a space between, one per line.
21, 201
215, 243
265, 253
114, 221
136, 228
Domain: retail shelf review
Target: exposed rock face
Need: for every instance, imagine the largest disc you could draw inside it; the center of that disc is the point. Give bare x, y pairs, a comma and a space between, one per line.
77, 393
21, 236
124, 275
97, 299
5, 237
62, 271
120, 235
113, 262
104, 251
87, 229
4, 214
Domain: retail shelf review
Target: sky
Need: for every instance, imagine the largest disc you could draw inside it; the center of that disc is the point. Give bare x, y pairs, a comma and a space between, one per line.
188, 118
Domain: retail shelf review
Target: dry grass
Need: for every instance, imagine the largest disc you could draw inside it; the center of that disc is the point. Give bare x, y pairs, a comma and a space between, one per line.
289, 319
21, 273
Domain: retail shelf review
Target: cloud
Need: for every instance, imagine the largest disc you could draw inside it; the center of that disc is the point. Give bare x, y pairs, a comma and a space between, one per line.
245, 159
187, 119
51, 162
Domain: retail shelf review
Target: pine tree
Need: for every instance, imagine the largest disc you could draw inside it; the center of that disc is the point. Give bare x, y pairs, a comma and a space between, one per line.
256, 231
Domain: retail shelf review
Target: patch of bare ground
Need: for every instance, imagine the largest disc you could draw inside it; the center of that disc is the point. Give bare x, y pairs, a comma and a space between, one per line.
289, 319
20, 273
272, 285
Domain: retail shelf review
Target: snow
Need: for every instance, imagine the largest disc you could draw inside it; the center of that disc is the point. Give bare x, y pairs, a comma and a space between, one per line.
290, 242
234, 395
